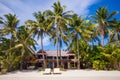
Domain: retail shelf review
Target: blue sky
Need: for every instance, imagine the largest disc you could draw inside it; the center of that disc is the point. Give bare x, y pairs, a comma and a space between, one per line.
25, 8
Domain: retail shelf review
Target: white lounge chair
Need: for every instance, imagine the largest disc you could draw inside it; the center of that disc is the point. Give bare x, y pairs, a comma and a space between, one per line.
47, 71
31, 67
57, 71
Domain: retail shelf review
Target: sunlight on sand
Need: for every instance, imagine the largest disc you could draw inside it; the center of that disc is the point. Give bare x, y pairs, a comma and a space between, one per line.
69, 74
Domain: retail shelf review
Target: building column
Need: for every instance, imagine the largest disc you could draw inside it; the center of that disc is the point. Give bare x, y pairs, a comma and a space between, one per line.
63, 64
43, 62
68, 65
68, 62
74, 64
53, 63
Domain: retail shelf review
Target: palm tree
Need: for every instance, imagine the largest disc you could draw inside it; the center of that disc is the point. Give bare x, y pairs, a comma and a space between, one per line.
102, 17
62, 39
91, 31
9, 23
60, 20
77, 27
114, 32
39, 27
24, 44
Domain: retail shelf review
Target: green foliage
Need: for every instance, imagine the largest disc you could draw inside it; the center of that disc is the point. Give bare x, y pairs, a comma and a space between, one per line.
99, 65
71, 29
10, 63
106, 57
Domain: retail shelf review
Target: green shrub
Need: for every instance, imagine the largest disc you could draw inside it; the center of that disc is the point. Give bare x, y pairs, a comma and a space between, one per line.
99, 65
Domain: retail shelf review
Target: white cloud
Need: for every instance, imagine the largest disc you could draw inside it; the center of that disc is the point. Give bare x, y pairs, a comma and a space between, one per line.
80, 7
24, 9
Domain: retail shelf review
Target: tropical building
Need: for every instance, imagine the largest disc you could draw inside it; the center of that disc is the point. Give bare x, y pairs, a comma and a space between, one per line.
65, 59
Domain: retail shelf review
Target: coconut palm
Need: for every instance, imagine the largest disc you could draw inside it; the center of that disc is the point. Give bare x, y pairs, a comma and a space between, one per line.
60, 19
24, 44
114, 32
9, 23
102, 17
77, 27
39, 28
62, 39
91, 33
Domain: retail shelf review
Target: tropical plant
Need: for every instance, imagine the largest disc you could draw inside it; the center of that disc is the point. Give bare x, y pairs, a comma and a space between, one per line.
8, 62
25, 44
62, 39
9, 23
112, 53
115, 29
59, 18
39, 28
77, 29
102, 17
91, 32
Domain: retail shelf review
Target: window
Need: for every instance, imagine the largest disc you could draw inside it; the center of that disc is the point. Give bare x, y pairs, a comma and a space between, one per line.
49, 58
40, 57
64, 57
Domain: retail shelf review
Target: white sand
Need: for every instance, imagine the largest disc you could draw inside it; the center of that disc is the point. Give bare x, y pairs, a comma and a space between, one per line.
66, 75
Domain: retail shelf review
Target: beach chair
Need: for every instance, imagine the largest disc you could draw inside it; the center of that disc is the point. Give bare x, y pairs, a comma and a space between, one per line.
47, 71
57, 71
31, 67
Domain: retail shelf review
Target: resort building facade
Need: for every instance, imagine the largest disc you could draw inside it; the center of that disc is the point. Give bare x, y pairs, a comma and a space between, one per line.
65, 59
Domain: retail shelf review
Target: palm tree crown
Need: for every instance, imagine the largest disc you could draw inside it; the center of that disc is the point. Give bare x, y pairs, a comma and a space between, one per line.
102, 17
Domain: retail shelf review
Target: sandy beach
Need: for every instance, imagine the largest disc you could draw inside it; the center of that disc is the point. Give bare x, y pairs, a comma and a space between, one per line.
66, 75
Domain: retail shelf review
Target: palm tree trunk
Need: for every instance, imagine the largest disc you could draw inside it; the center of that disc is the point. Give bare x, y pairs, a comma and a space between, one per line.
57, 46
60, 52
44, 63
103, 40
9, 55
60, 56
102, 33
57, 36
78, 52
10, 46
22, 57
